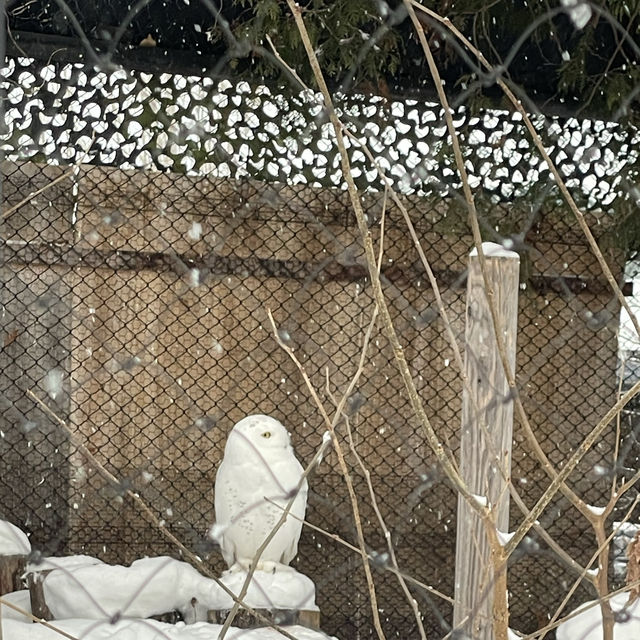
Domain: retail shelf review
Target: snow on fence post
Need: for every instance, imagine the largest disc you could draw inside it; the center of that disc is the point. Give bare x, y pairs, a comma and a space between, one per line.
486, 402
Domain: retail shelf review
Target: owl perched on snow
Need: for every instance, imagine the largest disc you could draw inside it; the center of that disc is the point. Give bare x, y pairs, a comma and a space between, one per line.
258, 463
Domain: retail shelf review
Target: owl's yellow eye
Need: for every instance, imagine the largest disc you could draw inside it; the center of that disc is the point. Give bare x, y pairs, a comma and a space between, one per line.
266, 434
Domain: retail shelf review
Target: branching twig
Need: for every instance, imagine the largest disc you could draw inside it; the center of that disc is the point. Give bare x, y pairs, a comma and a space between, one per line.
345, 472
569, 467
416, 403
475, 227
545, 156
602, 596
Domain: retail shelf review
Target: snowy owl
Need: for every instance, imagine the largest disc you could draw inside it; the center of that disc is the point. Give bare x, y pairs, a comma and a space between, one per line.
258, 465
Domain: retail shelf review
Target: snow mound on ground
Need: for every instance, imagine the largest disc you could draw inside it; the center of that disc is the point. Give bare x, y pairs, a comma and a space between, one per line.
13, 541
285, 588
148, 587
147, 630
587, 625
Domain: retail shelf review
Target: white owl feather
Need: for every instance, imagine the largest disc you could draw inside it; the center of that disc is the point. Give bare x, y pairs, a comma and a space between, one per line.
258, 464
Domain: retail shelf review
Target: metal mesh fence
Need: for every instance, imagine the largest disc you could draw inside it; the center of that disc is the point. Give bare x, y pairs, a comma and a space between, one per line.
149, 224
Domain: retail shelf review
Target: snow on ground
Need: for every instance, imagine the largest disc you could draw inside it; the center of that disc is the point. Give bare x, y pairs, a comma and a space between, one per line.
99, 592
62, 562
145, 630
20, 599
588, 624
17, 627
13, 541
85, 595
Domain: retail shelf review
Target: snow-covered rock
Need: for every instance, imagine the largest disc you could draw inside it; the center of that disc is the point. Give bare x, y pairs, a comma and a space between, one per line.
284, 588
13, 541
148, 587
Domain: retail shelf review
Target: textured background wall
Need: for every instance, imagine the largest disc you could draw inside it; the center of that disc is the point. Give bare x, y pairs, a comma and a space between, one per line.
156, 288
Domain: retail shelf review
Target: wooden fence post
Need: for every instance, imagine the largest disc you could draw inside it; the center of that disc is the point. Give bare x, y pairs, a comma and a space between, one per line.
483, 452
11, 570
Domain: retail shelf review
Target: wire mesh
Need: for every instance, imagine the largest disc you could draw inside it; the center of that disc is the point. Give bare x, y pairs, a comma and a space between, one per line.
149, 223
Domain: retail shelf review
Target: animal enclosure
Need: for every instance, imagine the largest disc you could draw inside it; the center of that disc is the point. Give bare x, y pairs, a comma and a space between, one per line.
135, 304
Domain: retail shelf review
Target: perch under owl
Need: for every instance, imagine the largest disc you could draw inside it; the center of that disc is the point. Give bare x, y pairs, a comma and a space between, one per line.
258, 468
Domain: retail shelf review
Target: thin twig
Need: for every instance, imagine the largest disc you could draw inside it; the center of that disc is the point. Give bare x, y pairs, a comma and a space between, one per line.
625, 486
44, 623
345, 472
398, 352
336, 538
363, 354
553, 622
67, 174
582, 609
34, 194
616, 449
374, 502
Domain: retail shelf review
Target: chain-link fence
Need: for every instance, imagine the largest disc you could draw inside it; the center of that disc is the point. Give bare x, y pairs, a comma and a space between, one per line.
150, 222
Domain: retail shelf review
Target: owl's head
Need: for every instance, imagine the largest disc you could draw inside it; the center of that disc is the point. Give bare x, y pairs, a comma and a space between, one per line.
263, 432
